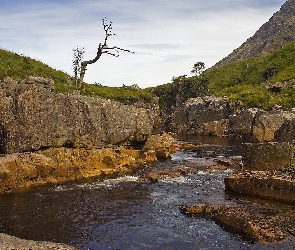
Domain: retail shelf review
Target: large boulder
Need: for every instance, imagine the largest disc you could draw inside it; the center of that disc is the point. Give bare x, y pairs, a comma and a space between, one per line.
33, 117
159, 146
286, 132
266, 124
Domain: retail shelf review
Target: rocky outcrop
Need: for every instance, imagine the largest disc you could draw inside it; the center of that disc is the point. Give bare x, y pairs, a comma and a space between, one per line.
203, 115
215, 116
257, 223
272, 185
55, 165
33, 117
268, 156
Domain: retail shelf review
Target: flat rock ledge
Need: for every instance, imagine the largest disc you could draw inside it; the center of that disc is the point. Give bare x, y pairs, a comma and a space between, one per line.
258, 224
56, 165
8, 242
272, 185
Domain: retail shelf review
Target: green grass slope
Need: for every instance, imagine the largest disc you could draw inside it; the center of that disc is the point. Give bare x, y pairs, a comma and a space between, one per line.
245, 81
20, 67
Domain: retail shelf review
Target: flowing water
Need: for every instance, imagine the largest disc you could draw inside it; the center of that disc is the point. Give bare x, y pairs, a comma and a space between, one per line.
123, 213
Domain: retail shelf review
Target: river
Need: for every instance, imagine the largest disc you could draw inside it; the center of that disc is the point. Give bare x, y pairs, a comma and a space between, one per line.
124, 213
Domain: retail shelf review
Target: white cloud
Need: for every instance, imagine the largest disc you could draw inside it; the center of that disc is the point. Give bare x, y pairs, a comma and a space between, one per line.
167, 36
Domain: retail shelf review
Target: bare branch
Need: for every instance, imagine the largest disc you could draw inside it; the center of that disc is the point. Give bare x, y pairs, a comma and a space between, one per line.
112, 54
126, 50
107, 25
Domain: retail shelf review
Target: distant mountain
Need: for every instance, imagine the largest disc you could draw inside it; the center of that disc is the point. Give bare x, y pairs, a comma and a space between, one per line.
279, 30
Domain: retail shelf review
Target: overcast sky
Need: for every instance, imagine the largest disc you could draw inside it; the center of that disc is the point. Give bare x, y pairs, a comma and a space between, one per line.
168, 36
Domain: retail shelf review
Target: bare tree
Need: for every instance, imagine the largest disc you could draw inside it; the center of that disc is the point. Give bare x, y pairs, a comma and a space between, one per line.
103, 48
78, 57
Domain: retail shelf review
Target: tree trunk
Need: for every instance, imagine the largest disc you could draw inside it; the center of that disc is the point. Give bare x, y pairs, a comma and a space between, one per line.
85, 63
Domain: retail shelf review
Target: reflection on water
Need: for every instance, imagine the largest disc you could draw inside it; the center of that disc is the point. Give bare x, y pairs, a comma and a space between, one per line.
126, 214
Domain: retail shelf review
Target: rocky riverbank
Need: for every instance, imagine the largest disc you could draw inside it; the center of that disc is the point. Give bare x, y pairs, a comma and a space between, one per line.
268, 163
51, 138
55, 165
215, 116
48, 138
8, 242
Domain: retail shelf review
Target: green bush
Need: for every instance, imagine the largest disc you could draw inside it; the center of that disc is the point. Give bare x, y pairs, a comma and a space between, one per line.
181, 89
259, 97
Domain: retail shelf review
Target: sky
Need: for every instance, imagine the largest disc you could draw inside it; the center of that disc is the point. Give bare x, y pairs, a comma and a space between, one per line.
167, 36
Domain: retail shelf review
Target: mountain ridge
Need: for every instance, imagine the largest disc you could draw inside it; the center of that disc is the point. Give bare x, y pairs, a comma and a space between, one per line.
272, 35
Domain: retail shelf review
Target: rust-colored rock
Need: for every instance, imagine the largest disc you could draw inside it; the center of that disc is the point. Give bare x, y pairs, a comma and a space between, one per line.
163, 146
256, 223
61, 164
54, 165
273, 185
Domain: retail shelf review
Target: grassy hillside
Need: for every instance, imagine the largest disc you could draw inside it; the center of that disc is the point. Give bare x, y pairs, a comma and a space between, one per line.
261, 82
245, 80
20, 67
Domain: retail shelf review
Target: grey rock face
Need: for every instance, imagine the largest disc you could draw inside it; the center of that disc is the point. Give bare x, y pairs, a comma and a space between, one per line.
207, 116
32, 117
215, 116
240, 124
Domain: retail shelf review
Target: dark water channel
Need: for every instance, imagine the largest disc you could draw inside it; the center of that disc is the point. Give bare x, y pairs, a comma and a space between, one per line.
125, 214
